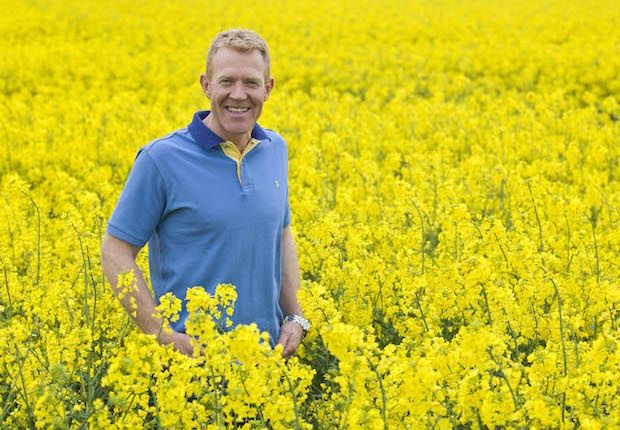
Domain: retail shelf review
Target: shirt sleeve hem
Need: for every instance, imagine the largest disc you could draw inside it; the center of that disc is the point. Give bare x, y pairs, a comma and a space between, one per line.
120, 234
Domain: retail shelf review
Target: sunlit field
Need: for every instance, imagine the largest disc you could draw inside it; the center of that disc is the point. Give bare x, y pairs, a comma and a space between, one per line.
454, 188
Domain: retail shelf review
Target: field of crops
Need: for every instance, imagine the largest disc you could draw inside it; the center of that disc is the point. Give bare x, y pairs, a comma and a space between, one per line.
454, 186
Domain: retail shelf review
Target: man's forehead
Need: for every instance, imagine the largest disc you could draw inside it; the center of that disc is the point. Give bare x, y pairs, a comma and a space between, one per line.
237, 72
232, 57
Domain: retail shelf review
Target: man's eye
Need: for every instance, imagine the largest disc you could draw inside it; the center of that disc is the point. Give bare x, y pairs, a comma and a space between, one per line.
253, 84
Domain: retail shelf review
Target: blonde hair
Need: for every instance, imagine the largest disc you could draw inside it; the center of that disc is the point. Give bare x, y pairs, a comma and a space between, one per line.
240, 40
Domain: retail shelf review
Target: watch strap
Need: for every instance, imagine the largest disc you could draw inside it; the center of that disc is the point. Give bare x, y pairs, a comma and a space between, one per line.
303, 322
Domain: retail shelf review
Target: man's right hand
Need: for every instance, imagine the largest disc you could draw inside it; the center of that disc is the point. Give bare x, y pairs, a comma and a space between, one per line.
180, 341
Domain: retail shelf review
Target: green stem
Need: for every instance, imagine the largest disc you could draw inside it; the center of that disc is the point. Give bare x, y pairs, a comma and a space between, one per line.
22, 361
557, 292
85, 272
456, 237
568, 237
502, 375
6, 283
349, 398
541, 247
218, 407
502, 249
383, 395
486, 301
423, 232
296, 406
598, 267
38, 236
417, 300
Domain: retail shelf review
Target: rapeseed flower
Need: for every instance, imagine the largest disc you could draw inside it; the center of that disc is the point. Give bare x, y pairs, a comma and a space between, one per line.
453, 174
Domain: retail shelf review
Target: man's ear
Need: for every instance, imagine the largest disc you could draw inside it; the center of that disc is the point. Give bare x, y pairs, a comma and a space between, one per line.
268, 86
206, 87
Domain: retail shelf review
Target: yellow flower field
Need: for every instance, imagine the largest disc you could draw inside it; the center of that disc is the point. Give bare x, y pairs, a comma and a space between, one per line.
454, 187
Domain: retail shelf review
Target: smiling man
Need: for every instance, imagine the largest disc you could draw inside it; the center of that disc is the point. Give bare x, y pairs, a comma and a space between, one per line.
211, 200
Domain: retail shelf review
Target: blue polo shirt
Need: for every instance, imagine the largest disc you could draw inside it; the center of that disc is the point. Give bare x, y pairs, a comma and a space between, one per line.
210, 215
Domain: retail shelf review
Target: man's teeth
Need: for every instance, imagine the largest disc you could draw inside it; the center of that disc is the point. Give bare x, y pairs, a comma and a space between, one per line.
232, 109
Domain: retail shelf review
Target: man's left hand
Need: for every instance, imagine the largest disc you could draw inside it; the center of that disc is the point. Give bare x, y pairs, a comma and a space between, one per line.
290, 337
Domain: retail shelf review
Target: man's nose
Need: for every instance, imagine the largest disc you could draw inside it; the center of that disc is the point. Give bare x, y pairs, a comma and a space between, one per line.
238, 91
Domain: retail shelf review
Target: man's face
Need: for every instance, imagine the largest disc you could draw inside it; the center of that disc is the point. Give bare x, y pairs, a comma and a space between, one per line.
237, 90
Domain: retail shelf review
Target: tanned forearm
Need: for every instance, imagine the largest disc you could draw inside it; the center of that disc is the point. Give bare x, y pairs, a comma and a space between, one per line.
118, 257
290, 275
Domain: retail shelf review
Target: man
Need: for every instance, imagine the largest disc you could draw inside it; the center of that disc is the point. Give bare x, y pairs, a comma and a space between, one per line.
211, 199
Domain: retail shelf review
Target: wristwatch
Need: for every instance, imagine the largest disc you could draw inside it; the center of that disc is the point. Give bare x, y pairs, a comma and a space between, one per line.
304, 323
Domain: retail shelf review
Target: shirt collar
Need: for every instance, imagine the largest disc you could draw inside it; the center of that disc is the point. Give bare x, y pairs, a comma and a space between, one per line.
208, 139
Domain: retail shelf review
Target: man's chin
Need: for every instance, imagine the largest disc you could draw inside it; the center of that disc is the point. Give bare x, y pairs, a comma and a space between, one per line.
240, 128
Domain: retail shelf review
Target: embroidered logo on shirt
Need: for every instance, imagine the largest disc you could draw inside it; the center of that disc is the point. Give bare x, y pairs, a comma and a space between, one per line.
277, 183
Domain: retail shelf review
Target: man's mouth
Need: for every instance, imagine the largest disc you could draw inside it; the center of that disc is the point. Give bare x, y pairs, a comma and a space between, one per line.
237, 109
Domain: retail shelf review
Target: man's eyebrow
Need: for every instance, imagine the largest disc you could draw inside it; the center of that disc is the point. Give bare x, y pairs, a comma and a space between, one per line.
230, 77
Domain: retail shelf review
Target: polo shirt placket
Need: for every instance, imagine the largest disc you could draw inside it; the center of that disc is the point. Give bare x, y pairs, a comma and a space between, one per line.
241, 161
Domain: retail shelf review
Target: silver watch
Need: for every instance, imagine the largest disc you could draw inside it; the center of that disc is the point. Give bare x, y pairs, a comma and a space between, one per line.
304, 323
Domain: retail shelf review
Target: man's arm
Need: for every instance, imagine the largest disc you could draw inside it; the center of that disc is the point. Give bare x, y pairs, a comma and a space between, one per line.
291, 332
118, 257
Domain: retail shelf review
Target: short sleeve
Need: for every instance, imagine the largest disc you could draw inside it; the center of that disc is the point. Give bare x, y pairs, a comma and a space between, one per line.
141, 203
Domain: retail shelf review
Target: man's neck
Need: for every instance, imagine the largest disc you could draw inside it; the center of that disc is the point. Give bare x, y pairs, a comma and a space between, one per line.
240, 141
